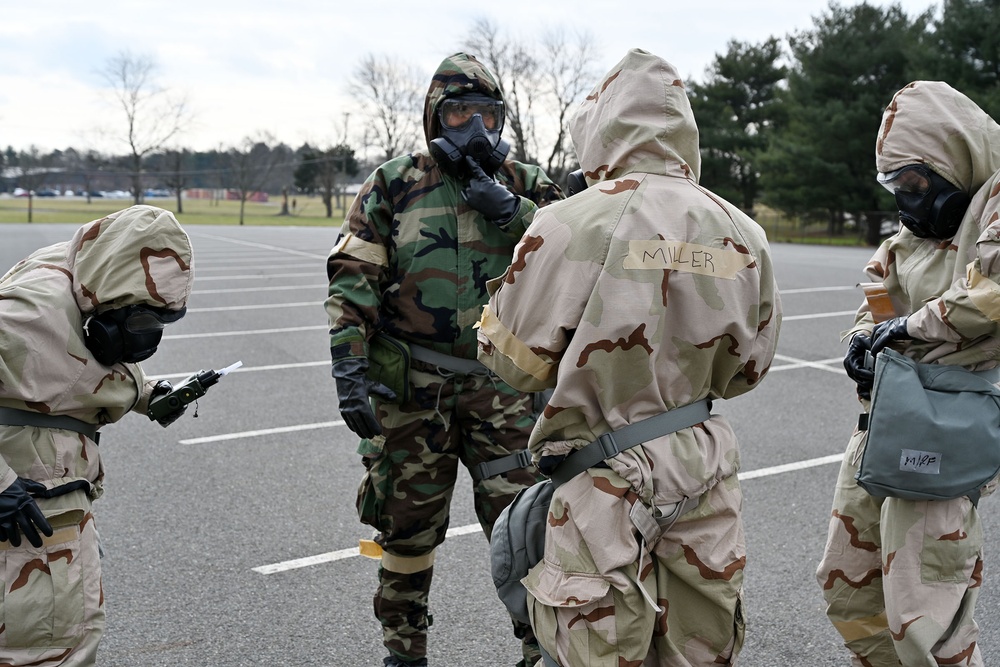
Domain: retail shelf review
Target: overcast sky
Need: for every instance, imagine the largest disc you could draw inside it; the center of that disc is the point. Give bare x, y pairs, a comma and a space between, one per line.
282, 67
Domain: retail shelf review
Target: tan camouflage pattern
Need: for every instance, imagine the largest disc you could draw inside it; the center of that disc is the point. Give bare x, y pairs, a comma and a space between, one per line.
137, 255
643, 293
901, 577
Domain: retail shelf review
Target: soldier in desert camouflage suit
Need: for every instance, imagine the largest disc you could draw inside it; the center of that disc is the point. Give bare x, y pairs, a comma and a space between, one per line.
643, 293
901, 577
52, 609
417, 247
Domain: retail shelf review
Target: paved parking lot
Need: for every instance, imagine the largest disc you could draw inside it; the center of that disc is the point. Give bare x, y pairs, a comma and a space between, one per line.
231, 536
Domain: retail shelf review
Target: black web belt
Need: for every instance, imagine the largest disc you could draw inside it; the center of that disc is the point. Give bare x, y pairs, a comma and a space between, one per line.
606, 446
15, 417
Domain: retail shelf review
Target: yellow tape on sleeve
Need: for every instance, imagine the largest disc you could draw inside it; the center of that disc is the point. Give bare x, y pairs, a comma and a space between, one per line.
372, 253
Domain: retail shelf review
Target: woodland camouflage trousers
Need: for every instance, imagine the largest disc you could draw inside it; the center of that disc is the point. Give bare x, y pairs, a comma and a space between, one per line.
409, 481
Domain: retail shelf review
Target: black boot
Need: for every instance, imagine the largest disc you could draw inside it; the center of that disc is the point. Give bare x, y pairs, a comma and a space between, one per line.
393, 661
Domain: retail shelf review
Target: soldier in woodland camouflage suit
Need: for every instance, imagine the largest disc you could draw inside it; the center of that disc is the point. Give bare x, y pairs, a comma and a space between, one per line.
421, 239
643, 293
54, 395
901, 577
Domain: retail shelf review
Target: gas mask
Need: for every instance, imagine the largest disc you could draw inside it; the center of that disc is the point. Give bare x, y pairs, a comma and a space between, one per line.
128, 334
929, 205
470, 126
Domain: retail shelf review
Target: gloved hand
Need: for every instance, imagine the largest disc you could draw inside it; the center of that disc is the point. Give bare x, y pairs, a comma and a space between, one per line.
353, 390
854, 363
488, 197
162, 388
19, 510
888, 332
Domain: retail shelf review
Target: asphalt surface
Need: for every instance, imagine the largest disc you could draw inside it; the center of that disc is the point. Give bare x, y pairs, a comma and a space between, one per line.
230, 536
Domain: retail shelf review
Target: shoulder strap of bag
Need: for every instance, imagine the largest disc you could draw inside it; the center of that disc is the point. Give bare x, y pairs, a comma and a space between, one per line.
615, 442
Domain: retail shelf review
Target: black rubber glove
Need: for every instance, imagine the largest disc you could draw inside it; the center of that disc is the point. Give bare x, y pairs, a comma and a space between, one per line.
162, 388
353, 389
888, 332
488, 197
18, 510
854, 363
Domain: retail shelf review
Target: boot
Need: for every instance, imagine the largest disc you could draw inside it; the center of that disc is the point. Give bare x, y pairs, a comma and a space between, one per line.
393, 661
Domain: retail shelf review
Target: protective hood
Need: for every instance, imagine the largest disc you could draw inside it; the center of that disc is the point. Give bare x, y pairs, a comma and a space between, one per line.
650, 128
930, 122
139, 255
457, 74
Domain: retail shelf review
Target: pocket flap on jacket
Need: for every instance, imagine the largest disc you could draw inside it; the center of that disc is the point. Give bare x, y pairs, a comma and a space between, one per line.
555, 588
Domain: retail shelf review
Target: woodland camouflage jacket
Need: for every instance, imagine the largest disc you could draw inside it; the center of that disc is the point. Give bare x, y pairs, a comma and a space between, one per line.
413, 257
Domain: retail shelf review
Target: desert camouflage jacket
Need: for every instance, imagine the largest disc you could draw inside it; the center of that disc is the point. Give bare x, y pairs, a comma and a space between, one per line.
138, 255
413, 257
949, 288
643, 293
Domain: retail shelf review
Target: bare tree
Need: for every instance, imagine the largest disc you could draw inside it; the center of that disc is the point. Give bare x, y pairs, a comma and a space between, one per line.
152, 115
391, 96
251, 164
175, 177
569, 72
516, 71
541, 84
33, 168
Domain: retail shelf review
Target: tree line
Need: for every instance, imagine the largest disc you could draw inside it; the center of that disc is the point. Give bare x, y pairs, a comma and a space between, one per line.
788, 123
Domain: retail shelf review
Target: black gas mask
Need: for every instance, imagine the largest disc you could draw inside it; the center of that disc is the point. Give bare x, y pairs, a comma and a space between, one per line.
929, 205
470, 126
128, 334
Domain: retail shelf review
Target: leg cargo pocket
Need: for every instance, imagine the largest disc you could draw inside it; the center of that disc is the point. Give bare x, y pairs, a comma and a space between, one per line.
373, 490
43, 603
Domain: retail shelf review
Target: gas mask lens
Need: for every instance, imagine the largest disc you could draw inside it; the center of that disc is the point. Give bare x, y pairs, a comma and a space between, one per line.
458, 111
913, 179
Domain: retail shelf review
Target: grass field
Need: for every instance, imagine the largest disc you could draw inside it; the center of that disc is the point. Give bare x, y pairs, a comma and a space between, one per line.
311, 212
308, 212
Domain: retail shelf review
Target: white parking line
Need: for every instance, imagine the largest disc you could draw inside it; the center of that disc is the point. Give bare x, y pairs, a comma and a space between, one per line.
263, 431
353, 552
251, 244
257, 306
250, 332
248, 369
270, 288
814, 316
257, 276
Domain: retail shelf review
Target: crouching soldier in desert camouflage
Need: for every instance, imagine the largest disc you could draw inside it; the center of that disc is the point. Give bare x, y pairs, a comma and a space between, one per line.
421, 239
643, 294
901, 577
73, 318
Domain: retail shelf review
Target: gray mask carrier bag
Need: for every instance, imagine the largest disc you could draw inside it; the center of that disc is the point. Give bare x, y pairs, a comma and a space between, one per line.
518, 541
933, 431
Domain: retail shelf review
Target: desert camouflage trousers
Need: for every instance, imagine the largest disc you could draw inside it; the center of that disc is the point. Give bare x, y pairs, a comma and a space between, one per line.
52, 611
407, 488
694, 573
901, 577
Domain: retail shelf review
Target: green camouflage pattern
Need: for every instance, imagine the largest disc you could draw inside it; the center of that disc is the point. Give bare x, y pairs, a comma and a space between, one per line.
407, 488
413, 257
901, 577
52, 609
643, 293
